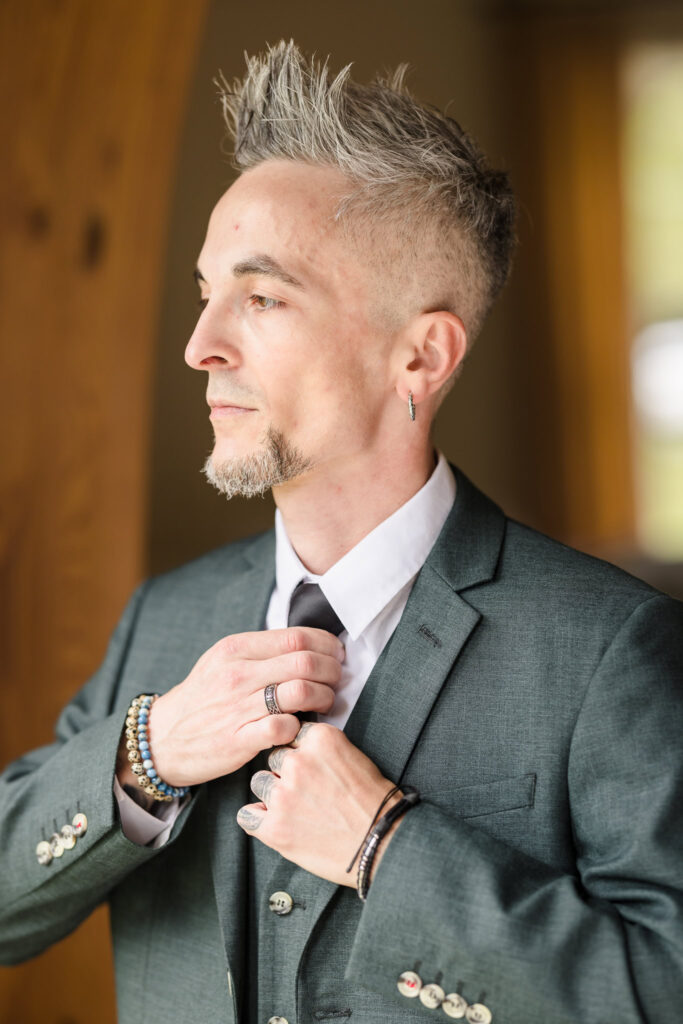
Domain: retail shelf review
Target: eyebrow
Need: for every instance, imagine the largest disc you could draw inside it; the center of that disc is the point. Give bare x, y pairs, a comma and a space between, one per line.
261, 264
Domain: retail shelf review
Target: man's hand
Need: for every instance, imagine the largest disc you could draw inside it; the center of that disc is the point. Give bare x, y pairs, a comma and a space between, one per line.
317, 802
216, 720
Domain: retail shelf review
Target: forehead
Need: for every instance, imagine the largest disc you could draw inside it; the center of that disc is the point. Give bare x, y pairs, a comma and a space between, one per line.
283, 207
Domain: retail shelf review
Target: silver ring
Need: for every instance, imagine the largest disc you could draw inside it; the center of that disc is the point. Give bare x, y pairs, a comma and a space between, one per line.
271, 699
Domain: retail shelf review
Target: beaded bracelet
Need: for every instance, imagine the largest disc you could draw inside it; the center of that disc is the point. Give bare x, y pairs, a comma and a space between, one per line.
377, 832
139, 753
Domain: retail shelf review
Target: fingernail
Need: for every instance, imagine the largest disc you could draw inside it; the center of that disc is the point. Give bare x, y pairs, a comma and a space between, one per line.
341, 652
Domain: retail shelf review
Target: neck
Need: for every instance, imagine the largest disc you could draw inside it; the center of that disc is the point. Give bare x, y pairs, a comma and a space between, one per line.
329, 510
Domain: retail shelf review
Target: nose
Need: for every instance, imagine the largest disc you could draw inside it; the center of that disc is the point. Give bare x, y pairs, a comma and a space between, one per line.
212, 343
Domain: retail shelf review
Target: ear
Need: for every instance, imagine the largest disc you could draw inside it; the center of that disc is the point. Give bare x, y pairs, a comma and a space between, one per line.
431, 348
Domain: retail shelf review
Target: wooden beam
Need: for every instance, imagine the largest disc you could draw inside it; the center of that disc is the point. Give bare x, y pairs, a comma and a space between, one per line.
93, 101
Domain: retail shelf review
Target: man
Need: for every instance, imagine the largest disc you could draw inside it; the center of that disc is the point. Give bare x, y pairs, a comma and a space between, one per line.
529, 694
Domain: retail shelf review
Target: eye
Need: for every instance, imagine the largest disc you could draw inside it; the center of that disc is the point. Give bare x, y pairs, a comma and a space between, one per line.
202, 303
262, 302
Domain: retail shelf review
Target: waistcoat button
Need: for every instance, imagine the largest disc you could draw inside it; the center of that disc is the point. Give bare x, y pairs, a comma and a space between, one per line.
280, 903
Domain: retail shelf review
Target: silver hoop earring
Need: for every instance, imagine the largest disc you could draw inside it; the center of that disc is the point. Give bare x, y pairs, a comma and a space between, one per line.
411, 405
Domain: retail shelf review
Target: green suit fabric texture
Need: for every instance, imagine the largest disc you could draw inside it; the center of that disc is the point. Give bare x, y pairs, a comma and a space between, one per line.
532, 694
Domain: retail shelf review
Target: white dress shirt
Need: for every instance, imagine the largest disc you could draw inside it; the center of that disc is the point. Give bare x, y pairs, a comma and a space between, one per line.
368, 589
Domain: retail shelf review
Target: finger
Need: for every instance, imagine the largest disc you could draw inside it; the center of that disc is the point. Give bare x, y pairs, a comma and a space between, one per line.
250, 817
293, 696
271, 731
269, 643
300, 695
319, 668
276, 757
303, 732
262, 784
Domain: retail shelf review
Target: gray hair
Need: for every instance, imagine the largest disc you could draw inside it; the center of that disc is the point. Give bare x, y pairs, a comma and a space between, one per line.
410, 167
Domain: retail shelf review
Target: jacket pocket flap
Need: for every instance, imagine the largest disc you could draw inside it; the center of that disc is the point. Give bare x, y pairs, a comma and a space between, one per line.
487, 797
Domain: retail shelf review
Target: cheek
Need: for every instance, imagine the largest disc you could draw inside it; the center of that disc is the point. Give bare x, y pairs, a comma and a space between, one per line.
322, 366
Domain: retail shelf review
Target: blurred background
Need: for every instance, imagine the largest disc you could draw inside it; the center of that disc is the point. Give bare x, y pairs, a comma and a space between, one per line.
569, 412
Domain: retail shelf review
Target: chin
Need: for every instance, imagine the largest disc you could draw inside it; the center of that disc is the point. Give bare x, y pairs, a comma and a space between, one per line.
233, 470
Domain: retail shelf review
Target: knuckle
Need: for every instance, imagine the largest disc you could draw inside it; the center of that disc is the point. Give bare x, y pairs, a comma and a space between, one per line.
323, 735
328, 700
294, 772
305, 663
301, 691
331, 735
290, 728
284, 798
273, 729
280, 729
229, 646
296, 639
237, 674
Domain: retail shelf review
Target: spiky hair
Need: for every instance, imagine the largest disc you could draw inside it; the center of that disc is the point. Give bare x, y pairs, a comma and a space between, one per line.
409, 166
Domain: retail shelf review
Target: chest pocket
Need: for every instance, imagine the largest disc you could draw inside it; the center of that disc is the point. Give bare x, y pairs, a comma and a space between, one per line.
486, 797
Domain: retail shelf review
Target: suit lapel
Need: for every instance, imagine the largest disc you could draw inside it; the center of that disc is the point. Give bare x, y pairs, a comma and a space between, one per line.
401, 690
398, 696
435, 626
241, 607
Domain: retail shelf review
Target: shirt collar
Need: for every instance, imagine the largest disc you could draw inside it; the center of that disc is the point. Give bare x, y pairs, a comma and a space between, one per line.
368, 576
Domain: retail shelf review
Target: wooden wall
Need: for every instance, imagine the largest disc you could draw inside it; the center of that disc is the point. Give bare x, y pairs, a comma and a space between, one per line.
570, 327
93, 97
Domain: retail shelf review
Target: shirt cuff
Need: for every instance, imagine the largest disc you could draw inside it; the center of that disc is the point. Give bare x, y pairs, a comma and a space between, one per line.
142, 827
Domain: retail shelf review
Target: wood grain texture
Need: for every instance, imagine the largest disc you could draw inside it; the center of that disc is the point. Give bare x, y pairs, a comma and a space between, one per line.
93, 101
579, 79
565, 72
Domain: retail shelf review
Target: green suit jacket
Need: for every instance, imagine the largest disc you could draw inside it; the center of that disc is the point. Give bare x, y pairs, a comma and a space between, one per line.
532, 694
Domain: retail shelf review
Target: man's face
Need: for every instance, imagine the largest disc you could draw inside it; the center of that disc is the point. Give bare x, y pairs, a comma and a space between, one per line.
296, 361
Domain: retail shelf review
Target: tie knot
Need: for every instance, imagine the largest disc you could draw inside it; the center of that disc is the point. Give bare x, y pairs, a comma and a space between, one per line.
310, 607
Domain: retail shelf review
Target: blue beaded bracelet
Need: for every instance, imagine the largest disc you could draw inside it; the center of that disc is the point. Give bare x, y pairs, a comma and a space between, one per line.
140, 754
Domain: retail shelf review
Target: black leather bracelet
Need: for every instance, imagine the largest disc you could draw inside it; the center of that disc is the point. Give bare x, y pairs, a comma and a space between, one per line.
377, 833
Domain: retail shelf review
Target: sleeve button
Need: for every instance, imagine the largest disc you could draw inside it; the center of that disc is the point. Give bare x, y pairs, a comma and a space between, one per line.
477, 1013
432, 995
409, 984
68, 836
56, 845
454, 1005
80, 824
43, 852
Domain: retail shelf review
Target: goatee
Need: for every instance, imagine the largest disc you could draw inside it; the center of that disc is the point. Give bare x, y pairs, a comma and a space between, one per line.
275, 463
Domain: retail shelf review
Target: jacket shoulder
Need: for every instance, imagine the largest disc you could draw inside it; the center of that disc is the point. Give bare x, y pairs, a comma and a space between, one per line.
563, 575
214, 568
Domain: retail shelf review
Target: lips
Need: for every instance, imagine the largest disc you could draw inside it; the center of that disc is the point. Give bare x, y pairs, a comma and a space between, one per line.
220, 410
215, 404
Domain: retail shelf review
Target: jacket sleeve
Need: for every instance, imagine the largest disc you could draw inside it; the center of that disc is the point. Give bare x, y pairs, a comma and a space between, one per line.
41, 903
603, 944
